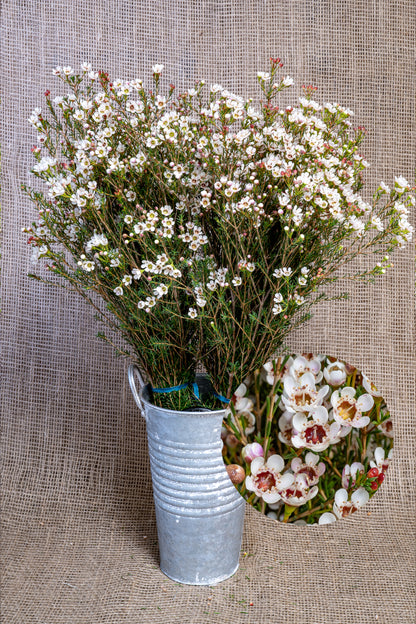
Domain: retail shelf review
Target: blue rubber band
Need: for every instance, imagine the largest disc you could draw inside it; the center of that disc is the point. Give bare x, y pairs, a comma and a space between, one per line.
221, 398
196, 389
161, 390
179, 387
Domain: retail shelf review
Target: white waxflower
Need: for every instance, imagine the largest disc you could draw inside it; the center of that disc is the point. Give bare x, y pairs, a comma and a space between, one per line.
284, 272
349, 474
237, 281
401, 184
79, 114
128, 219
302, 365
97, 240
344, 507
314, 432
263, 76
266, 479
384, 187
348, 410
192, 313
298, 299
118, 291
370, 387
335, 374
327, 518
302, 395
287, 81
299, 492
377, 222
310, 468
127, 279
381, 462
285, 428
86, 67
160, 290
157, 69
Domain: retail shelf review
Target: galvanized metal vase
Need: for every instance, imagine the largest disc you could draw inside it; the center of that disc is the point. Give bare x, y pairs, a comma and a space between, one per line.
199, 513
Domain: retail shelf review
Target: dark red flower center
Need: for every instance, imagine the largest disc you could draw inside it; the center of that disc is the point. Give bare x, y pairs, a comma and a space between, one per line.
292, 492
265, 481
308, 471
315, 434
348, 509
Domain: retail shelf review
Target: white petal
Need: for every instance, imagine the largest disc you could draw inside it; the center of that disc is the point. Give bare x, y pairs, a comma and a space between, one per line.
307, 379
299, 421
287, 406
320, 469
360, 497
296, 441
300, 362
289, 384
271, 497
327, 518
311, 459
296, 464
355, 467
313, 492
365, 402
257, 464
341, 497
249, 484
285, 419
348, 392
320, 414
275, 462
241, 390
322, 393
344, 431
362, 422
379, 454
286, 481
334, 398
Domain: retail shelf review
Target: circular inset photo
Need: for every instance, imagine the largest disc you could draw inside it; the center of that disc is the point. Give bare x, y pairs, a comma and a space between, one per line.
308, 439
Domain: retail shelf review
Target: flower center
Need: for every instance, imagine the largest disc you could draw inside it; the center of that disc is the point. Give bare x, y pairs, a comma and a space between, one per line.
347, 410
293, 493
265, 481
308, 471
315, 434
348, 509
304, 396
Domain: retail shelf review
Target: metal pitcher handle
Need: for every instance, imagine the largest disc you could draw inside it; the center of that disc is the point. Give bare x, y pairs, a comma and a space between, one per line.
133, 372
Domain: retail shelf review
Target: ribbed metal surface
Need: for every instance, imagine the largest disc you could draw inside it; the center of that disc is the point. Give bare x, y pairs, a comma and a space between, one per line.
199, 512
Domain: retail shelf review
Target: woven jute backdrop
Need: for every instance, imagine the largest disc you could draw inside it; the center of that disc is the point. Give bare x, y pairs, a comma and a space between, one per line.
79, 537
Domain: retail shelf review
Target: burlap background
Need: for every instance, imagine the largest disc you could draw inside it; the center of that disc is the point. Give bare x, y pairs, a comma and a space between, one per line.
77, 502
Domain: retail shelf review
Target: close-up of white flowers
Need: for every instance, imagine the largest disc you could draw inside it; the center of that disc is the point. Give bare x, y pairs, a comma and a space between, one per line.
315, 450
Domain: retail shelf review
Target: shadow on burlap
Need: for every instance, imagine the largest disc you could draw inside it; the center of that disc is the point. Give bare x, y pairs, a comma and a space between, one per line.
79, 537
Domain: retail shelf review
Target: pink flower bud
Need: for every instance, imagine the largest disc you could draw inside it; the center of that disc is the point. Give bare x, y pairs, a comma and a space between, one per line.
251, 451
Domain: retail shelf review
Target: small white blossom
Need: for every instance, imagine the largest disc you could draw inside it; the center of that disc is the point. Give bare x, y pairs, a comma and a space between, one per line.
157, 69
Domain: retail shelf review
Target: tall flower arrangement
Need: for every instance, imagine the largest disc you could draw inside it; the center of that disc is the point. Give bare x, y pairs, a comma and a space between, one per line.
207, 224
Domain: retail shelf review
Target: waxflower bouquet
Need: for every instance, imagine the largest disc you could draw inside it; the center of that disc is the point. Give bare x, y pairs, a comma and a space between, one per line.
205, 223
308, 439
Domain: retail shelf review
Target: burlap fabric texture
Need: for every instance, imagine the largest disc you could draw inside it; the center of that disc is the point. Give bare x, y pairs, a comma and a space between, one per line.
79, 540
